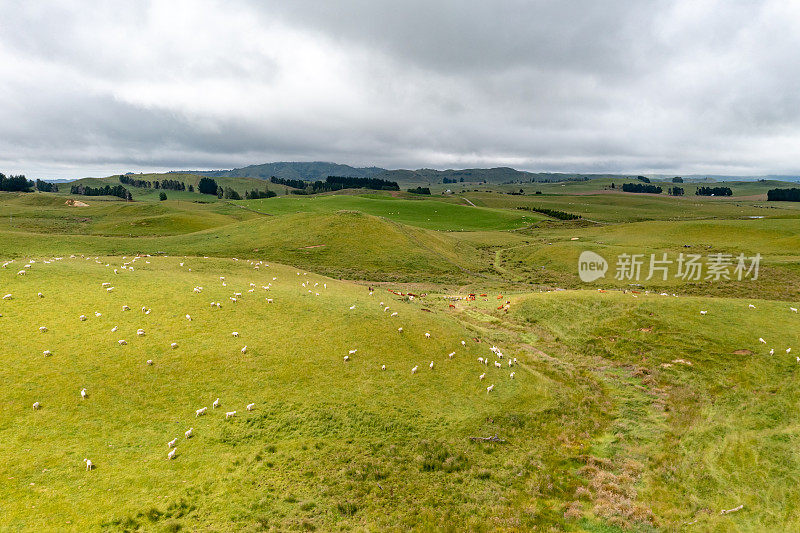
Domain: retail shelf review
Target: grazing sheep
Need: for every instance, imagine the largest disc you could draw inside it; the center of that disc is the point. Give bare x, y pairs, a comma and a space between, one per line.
89, 464
36, 405
98, 314
7, 297
427, 335
244, 350
200, 412
189, 433
149, 361
215, 404
761, 340
83, 393
126, 308
751, 306
21, 273
772, 351
480, 359
383, 367
414, 370
497, 364
703, 312
171, 454
346, 358
793, 309
385, 308
511, 375
394, 314
250, 406
107, 290
230, 414
140, 332
451, 354
40, 295
480, 378
82, 318
431, 365
351, 352
122, 342
798, 359
231, 298
490, 388
189, 318
269, 300
114, 329
105, 284
42, 328
463, 343
788, 350
144, 309
510, 362
235, 333
400, 330
352, 307
47, 353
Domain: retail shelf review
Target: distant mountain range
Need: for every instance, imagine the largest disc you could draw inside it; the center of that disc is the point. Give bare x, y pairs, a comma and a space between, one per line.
319, 170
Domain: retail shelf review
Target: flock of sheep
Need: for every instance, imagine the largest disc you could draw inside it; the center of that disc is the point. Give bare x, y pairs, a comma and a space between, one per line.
305, 285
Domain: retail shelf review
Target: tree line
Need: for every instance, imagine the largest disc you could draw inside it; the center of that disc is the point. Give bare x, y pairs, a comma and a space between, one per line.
336, 183
714, 191
20, 183
783, 195
108, 190
555, 213
172, 185
641, 187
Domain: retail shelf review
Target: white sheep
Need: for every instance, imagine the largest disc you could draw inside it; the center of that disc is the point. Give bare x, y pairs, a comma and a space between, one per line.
383, 367
400, 330
215, 404
114, 329
82, 318
463, 343
772, 351
189, 433
36, 405
497, 364
490, 388
200, 412
171, 454
269, 300
793, 309
480, 359
431, 365
385, 308
451, 354
173, 345
89, 464
140, 332
149, 361
244, 350
751, 306
250, 406
98, 314
43, 328
788, 350
230, 414
21, 273
40, 295
480, 378
107, 290
235, 333
414, 370
7, 297
346, 358
47, 353
83, 393
351, 352
352, 307
105, 284
703, 312
122, 342
189, 318
761, 340
126, 308
511, 375
394, 314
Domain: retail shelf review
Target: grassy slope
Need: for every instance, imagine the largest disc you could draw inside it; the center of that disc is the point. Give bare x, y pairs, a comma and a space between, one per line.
329, 444
422, 212
239, 184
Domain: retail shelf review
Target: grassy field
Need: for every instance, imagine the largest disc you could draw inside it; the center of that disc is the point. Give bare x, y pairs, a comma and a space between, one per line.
629, 411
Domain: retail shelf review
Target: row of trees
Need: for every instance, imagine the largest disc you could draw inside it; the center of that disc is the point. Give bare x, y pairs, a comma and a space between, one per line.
714, 191
255, 194
420, 190
783, 195
675, 191
641, 187
15, 183
172, 185
108, 190
555, 213
336, 183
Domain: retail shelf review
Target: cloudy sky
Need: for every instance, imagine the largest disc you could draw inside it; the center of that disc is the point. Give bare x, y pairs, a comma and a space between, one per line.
691, 86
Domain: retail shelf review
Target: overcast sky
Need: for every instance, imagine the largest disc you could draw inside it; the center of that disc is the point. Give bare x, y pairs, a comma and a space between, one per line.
89, 89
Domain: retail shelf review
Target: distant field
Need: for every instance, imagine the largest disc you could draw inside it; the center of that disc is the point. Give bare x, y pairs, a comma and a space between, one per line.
423, 213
